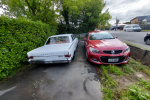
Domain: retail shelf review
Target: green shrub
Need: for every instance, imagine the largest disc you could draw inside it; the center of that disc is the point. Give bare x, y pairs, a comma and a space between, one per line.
17, 37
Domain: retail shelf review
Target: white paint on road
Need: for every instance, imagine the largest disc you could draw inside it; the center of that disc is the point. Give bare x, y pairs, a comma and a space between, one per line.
7, 90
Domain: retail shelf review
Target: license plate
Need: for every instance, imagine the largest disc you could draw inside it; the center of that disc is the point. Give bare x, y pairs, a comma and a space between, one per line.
113, 60
48, 62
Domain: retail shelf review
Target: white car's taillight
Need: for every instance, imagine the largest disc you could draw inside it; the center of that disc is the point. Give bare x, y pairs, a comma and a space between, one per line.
68, 55
30, 57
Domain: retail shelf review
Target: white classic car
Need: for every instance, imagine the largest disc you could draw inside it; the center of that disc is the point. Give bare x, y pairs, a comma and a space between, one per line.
57, 49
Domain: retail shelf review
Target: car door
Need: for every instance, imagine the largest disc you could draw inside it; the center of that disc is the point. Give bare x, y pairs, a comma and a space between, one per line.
130, 28
73, 42
76, 41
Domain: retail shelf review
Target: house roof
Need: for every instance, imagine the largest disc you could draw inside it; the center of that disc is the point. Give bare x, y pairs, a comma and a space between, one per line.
148, 18
140, 18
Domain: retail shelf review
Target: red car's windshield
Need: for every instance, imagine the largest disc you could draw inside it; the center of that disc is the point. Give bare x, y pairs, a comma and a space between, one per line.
58, 40
100, 36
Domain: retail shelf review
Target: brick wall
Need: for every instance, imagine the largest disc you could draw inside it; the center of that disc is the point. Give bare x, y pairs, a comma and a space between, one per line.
134, 20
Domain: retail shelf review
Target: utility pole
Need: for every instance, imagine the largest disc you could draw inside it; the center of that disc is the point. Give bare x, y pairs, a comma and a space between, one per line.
116, 24
117, 21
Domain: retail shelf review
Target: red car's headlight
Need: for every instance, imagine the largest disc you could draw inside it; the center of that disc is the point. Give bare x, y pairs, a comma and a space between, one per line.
127, 49
94, 50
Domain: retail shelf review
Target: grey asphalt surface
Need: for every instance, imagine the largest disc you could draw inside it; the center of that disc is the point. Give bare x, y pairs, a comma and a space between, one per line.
136, 38
75, 81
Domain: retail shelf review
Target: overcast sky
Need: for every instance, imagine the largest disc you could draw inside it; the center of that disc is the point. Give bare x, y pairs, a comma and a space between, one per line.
125, 10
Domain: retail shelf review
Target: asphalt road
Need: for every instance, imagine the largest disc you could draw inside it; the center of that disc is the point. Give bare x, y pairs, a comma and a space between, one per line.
136, 38
75, 81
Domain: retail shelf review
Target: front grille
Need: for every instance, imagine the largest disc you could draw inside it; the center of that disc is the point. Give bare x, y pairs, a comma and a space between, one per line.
104, 59
112, 51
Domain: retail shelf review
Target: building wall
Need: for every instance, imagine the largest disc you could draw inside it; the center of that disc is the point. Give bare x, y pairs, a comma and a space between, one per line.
134, 20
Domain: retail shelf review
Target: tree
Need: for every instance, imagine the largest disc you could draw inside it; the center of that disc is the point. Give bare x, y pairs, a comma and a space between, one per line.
127, 23
92, 15
136, 22
83, 15
44, 10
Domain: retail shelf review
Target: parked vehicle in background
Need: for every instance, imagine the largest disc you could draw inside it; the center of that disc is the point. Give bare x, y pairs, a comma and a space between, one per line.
132, 27
57, 49
96, 29
103, 48
147, 39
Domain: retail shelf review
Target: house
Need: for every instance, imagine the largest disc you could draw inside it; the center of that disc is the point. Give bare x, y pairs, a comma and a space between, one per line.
140, 19
146, 20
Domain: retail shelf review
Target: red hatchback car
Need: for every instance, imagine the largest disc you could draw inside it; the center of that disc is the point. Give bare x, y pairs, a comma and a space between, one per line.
103, 48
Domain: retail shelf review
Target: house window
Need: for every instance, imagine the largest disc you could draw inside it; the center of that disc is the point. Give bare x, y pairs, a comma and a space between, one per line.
148, 22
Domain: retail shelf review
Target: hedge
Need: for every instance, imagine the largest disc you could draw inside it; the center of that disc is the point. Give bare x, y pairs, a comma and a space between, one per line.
17, 37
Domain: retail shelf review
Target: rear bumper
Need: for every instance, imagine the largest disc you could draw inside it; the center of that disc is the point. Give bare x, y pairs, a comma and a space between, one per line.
49, 62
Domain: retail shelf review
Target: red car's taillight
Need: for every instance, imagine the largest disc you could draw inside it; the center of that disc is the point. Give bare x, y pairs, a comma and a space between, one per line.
30, 57
68, 55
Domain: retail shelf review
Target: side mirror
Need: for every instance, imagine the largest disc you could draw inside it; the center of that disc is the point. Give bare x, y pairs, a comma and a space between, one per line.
85, 39
115, 36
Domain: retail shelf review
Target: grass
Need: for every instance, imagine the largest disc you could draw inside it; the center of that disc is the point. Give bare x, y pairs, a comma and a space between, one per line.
145, 30
137, 66
110, 87
136, 46
80, 38
126, 69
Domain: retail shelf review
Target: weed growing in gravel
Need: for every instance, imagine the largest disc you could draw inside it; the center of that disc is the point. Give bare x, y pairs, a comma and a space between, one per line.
138, 91
139, 67
127, 69
108, 84
115, 70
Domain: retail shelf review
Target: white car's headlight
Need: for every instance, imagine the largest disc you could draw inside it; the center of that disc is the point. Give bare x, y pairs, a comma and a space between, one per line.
127, 49
94, 50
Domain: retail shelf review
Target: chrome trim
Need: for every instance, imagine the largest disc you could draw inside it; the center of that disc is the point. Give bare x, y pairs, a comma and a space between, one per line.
93, 59
112, 63
111, 50
49, 62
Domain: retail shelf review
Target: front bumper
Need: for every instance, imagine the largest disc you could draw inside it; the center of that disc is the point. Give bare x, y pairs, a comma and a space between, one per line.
103, 58
137, 29
48, 62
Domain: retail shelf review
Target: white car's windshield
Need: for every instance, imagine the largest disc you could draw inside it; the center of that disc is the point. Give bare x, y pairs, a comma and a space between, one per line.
100, 36
58, 40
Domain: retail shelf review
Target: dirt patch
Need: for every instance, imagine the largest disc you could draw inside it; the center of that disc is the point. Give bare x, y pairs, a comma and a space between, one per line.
124, 81
142, 76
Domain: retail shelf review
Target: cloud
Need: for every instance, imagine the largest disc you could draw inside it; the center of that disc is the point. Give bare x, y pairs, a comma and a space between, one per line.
125, 10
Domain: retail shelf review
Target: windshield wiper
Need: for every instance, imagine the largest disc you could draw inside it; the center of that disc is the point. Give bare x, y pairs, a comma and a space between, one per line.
106, 38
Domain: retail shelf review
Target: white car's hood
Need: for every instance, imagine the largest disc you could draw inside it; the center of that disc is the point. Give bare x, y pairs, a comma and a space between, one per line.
51, 49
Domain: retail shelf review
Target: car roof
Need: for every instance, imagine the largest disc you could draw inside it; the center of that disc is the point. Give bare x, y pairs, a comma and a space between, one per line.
96, 31
131, 24
61, 35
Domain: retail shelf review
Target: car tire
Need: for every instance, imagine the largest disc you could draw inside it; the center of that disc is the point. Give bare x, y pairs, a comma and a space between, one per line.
86, 56
73, 56
148, 41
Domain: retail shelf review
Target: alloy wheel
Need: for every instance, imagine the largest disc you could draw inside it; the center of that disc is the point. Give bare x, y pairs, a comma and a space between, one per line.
148, 41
